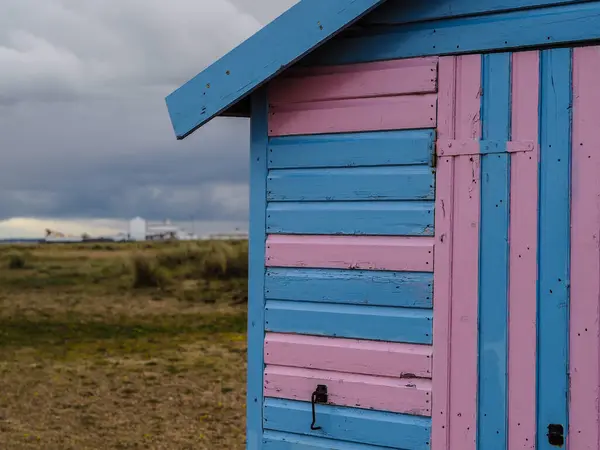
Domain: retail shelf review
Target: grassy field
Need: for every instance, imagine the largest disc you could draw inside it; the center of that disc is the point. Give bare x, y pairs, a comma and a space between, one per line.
123, 346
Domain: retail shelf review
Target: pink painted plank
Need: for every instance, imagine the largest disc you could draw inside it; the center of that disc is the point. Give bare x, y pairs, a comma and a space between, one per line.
385, 359
365, 114
456, 266
352, 68
396, 253
442, 299
442, 275
523, 255
517, 146
585, 254
357, 81
407, 396
465, 275
455, 147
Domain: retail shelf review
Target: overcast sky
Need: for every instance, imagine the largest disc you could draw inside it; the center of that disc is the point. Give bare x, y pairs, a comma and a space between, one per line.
84, 132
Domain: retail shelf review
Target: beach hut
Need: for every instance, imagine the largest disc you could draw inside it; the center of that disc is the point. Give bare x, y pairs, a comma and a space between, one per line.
425, 222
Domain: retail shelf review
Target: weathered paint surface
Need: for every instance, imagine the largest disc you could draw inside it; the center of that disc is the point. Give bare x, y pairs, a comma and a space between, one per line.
494, 257
365, 97
560, 24
349, 254
353, 287
343, 427
419, 76
353, 115
523, 288
410, 325
351, 184
395, 12
584, 366
390, 148
554, 243
402, 395
394, 253
456, 259
375, 218
256, 250
523, 255
384, 359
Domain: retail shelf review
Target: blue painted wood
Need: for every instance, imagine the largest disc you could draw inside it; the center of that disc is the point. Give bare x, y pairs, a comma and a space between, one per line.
410, 218
487, 147
387, 148
494, 257
554, 242
352, 184
256, 268
539, 27
349, 424
359, 287
400, 12
274, 440
266, 54
379, 323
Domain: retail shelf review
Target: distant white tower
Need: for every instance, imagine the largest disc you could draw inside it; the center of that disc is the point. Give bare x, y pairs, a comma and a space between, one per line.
137, 229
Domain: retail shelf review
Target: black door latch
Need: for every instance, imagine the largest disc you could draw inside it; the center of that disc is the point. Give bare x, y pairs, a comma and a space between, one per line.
556, 435
319, 396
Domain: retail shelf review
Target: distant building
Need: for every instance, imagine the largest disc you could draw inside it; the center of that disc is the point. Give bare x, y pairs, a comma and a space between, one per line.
137, 229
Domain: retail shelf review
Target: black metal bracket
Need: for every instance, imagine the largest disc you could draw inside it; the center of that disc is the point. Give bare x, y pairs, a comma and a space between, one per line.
319, 396
556, 435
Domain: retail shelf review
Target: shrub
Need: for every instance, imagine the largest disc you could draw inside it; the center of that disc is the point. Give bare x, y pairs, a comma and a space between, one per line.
147, 273
216, 261
177, 257
238, 265
17, 260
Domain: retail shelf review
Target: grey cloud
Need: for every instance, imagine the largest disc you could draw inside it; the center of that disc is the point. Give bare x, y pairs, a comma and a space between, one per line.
84, 131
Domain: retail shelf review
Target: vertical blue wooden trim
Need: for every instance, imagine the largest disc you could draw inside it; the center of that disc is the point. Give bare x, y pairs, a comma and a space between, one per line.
256, 276
554, 242
494, 257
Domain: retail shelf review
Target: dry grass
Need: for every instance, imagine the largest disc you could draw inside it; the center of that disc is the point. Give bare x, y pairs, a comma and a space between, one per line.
89, 362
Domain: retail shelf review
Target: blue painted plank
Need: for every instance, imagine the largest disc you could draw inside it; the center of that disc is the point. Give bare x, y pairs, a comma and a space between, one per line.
256, 268
349, 424
400, 12
494, 257
266, 54
554, 242
377, 323
409, 218
550, 26
359, 287
274, 440
384, 148
351, 184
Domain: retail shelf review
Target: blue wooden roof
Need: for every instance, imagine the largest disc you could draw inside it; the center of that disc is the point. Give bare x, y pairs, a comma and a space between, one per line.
218, 89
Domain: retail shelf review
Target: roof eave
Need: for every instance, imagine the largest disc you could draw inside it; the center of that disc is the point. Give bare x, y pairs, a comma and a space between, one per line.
297, 32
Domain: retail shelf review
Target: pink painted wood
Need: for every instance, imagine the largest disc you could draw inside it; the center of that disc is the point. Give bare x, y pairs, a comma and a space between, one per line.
456, 266
397, 253
353, 68
585, 254
418, 76
349, 355
453, 147
353, 115
523, 255
408, 396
